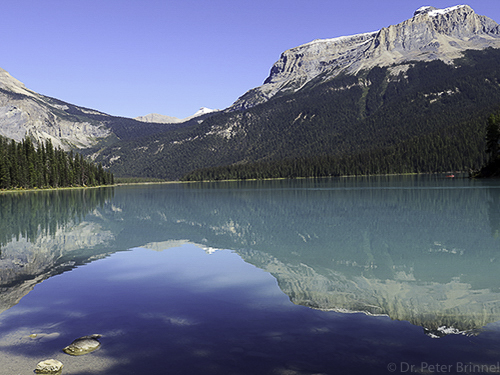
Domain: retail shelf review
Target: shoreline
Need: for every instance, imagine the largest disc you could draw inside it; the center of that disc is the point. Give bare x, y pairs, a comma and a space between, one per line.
30, 190
343, 176
22, 190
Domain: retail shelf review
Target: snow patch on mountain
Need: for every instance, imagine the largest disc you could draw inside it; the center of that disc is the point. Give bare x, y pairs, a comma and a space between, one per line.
437, 12
341, 38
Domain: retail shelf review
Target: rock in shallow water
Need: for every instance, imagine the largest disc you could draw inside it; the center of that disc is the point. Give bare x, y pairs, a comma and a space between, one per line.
83, 345
49, 366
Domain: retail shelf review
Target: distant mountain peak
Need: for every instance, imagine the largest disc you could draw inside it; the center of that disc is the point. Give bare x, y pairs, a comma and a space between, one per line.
7, 82
162, 119
431, 34
203, 111
158, 118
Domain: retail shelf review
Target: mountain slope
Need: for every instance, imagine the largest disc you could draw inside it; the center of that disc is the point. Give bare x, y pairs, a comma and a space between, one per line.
430, 35
25, 113
420, 117
407, 98
412, 97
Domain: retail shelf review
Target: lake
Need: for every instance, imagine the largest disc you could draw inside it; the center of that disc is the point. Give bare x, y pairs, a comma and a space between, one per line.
368, 275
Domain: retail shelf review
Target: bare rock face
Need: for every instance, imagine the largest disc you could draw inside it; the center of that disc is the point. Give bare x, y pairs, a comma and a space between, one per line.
434, 34
157, 118
49, 366
431, 34
162, 119
83, 345
26, 113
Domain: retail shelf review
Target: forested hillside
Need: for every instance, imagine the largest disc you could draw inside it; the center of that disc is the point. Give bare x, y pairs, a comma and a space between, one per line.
22, 165
492, 166
417, 117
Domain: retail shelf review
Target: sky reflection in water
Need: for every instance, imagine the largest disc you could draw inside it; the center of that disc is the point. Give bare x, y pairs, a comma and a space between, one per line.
420, 250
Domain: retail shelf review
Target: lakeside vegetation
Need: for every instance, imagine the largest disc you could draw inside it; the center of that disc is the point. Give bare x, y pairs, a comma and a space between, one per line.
458, 147
25, 166
492, 167
405, 158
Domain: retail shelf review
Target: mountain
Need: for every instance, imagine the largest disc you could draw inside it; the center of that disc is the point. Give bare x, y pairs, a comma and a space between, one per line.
432, 34
201, 112
162, 119
25, 113
156, 117
412, 97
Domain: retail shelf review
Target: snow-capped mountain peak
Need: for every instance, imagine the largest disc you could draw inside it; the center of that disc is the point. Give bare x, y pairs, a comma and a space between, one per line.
431, 34
434, 12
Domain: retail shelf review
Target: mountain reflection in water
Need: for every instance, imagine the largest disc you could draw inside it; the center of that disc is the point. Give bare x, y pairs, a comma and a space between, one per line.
418, 248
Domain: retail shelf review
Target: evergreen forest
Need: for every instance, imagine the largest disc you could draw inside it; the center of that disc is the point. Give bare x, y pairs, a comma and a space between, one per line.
419, 117
25, 166
433, 120
492, 166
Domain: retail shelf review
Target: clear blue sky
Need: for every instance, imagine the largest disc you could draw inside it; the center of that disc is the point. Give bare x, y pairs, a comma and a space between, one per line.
134, 57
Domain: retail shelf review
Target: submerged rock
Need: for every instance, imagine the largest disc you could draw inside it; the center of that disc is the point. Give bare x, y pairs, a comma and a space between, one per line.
83, 345
49, 366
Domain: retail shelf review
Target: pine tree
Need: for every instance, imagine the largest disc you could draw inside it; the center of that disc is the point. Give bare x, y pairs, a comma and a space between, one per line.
24, 165
493, 137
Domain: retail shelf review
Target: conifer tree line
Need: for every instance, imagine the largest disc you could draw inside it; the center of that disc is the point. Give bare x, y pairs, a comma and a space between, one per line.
25, 166
493, 137
492, 167
435, 153
429, 154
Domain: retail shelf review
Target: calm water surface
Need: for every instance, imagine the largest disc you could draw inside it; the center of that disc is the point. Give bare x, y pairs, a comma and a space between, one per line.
334, 276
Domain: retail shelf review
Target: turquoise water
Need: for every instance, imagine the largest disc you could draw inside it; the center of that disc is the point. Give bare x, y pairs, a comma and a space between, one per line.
356, 275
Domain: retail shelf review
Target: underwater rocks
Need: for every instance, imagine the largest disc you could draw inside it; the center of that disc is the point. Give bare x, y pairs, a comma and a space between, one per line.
49, 366
83, 345
80, 346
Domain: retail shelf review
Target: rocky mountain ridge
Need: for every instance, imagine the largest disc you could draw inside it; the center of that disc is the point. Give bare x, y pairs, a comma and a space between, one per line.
163, 119
431, 34
24, 112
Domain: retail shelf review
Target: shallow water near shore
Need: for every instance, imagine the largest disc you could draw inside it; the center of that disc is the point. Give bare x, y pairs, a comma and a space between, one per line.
355, 275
